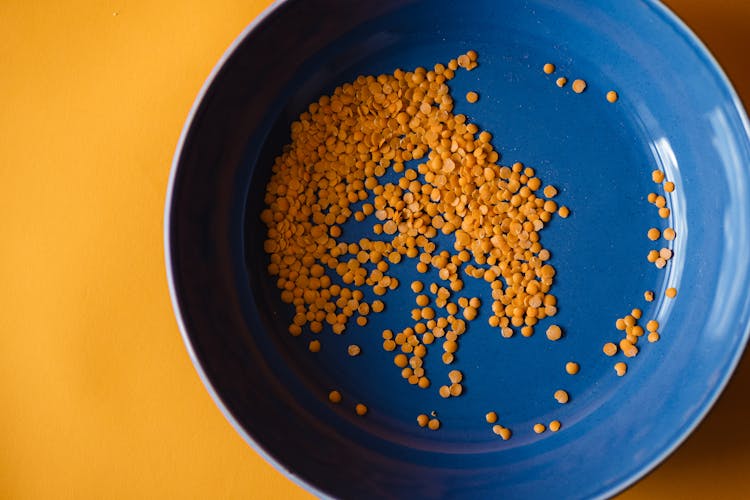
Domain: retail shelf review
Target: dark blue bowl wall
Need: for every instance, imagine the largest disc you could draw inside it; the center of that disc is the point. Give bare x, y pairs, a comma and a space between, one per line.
599, 155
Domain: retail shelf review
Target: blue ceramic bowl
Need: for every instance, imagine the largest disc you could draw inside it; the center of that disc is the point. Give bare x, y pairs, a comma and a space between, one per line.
676, 112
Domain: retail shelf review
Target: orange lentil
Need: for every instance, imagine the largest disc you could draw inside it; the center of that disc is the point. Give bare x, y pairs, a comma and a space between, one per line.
554, 332
671, 292
609, 349
334, 397
572, 367
561, 396
621, 368
612, 96
360, 409
549, 68
579, 86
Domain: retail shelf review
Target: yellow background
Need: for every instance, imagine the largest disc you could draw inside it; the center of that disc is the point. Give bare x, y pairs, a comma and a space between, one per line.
98, 398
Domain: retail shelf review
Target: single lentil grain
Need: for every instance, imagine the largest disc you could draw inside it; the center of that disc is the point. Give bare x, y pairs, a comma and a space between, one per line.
561, 396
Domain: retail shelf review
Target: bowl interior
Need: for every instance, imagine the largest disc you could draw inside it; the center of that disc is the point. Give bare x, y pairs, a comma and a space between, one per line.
676, 113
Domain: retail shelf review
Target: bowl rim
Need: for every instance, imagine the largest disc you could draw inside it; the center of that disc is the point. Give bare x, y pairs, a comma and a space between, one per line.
669, 18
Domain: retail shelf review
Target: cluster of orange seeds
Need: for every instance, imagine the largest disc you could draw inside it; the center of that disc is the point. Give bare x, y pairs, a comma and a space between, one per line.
498, 429
341, 148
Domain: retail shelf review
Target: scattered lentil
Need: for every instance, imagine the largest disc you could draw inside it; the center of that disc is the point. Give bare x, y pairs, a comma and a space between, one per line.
360, 409
561, 396
314, 346
353, 350
561, 81
422, 420
572, 367
612, 96
554, 332
653, 234
549, 68
472, 97
621, 368
669, 234
491, 417
648, 295
610, 349
671, 292
579, 86
334, 397
539, 428
433, 424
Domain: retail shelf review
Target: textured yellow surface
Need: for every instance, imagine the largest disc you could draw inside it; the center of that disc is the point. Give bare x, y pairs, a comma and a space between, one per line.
99, 399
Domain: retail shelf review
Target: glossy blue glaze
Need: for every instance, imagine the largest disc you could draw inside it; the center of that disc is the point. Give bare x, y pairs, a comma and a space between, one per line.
676, 112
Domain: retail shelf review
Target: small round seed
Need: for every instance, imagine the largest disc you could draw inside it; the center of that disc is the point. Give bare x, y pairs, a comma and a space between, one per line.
353, 350
561, 82
579, 86
621, 368
671, 292
648, 295
539, 428
422, 420
455, 376
572, 367
561, 396
653, 234
360, 409
491, 417
610, 349
444, 391
314, 346
549, 68
334, 397
554, 332
669, 234
472, 97
433, 424
612, 96
554, 426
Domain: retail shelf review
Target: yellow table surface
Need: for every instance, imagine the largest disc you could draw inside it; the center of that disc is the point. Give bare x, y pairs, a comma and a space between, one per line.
99, 398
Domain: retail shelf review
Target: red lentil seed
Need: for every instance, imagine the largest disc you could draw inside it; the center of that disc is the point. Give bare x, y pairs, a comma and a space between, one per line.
572, 368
